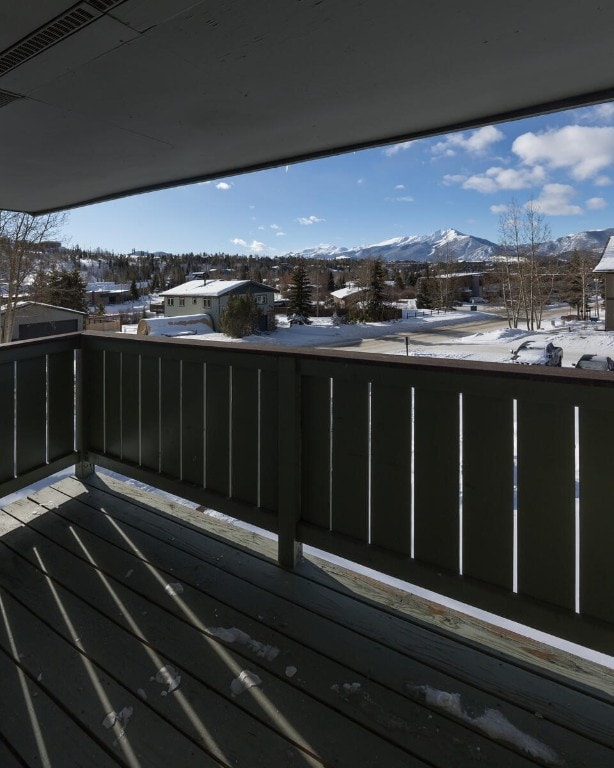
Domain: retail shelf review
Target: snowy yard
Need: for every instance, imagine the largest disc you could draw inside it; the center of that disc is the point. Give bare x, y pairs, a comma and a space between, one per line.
493, 345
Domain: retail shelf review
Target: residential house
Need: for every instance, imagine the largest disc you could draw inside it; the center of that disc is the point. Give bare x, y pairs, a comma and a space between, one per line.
210, 297
606, 268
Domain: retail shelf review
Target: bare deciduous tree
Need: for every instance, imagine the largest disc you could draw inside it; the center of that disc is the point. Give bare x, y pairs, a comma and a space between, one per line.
526, 275
21, 238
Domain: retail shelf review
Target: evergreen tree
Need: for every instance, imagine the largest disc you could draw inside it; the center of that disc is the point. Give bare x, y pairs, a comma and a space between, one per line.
376, 291
134, 291
60, 288
240, 317
299, 293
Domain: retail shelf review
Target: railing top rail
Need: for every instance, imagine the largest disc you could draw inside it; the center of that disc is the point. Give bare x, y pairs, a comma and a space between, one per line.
21, 350
531, 374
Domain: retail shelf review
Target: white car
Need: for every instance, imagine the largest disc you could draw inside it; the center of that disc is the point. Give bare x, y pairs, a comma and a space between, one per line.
537, 352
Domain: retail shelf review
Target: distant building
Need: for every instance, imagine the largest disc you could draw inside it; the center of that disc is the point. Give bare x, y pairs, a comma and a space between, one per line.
606, 268
210, 297
348, 296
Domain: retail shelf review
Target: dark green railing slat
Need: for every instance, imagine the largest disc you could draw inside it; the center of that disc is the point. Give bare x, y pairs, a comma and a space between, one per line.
113, 402
436, 446
244, 435
269, 437
217, 418
150, 413
391, 428
315, 450
488, 489
7, 420
350, 466
93, 397
170, 417
130, 408
61, 404
546, 507
596, 514
193, 422
31, 441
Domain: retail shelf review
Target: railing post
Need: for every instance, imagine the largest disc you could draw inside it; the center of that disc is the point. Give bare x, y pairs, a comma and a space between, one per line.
83, 468
289, 488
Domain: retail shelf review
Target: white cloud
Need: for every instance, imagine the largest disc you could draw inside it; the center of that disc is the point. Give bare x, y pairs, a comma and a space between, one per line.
584, 151
596, 203
280, 234
554, 200
274, 226
261, 227
360, 181
497, 178
396, 148
307, 220
399, 186
453, 178
602, 181
223, 185
400, 199
499, 209
476, 143
255, 245
600, 113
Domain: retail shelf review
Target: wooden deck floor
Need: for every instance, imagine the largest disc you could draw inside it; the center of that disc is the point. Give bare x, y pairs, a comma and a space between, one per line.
131, 628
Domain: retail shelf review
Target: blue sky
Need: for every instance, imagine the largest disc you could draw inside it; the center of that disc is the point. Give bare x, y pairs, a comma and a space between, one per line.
563, 162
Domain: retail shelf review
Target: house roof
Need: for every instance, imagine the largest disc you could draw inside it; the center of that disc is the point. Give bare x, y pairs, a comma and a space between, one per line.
23, 304
104, 98
606, 264
197, 288
343, 293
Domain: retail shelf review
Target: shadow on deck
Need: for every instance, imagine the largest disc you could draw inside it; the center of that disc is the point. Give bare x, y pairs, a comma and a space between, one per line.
132, 628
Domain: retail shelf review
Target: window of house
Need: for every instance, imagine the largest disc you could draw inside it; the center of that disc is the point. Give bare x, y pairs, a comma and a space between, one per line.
182, 302
206, 303
194, 301
261, 298
170, 302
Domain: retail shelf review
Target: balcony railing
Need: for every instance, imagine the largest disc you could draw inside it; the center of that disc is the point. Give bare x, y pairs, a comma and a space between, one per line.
489, 484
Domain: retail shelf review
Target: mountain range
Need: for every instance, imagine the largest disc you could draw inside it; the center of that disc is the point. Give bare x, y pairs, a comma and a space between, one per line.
452, 244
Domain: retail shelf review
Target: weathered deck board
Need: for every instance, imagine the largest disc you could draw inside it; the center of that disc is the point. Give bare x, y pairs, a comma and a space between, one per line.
412, 723
109, 551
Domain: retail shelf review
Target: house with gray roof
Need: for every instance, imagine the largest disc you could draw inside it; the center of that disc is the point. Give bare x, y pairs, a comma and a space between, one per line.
606, 268
210, 297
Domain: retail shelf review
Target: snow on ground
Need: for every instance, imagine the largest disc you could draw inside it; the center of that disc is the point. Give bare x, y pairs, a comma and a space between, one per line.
575, 337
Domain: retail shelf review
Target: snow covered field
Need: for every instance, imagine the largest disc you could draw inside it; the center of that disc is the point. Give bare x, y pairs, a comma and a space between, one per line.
492, 344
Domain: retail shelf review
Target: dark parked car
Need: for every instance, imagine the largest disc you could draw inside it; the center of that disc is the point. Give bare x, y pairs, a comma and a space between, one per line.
537, 352
595, 363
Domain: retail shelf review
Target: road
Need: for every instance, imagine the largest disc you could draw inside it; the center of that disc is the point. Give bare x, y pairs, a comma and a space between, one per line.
445, 337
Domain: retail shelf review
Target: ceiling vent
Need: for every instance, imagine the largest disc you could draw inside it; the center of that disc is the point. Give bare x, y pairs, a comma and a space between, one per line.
59, 28
104, 5
7, 98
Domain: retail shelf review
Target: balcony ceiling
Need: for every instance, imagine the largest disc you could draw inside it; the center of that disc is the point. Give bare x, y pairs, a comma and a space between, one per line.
115, 97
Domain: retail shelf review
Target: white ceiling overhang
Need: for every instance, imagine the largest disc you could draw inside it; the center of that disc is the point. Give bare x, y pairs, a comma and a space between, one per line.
102, 98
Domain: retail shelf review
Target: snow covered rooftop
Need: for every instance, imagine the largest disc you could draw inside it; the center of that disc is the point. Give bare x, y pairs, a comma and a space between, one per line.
607, 260
343, 293
211, 287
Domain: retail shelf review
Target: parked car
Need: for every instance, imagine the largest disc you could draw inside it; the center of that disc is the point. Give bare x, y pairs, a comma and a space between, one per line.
595, 363
537, 352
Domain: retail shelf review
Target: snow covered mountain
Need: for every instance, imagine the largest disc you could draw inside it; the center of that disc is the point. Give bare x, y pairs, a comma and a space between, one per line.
451, 244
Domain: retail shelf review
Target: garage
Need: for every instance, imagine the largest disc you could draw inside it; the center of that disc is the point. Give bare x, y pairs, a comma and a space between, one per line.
36, 330
34, 319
